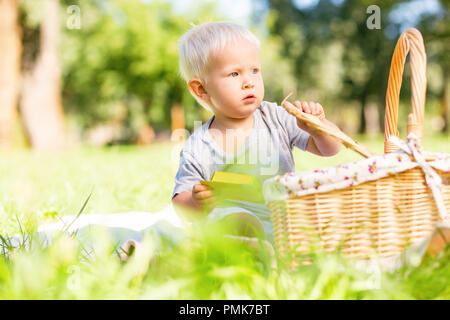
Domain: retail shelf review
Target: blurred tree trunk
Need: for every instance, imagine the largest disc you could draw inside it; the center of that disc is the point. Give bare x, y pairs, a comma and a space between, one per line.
381, 105
10, 49
446, 103
362, 113
41, 105
178, 121
368, 116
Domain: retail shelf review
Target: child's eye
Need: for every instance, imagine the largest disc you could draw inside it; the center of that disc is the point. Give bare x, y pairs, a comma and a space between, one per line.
234, 74
255, 70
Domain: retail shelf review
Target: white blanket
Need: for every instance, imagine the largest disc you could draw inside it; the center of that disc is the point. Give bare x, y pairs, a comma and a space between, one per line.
120, 227
135, 220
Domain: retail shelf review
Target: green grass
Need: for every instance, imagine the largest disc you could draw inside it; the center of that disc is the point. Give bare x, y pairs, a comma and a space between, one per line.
38, 188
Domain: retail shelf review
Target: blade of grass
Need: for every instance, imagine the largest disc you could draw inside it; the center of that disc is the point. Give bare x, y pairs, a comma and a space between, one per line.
22, 233
80, 212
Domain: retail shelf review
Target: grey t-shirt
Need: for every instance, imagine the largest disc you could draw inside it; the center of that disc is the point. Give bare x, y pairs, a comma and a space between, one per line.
266, 152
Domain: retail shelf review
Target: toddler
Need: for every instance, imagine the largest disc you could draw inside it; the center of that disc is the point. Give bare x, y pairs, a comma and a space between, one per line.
220, 62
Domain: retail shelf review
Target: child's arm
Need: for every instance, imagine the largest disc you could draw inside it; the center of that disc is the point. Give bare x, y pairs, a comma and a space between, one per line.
189, 194
319, 143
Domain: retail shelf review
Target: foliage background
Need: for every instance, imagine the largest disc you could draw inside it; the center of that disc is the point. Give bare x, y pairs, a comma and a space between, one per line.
121, 65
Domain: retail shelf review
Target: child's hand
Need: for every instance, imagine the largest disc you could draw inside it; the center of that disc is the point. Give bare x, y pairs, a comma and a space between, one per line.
203, 197
313, 108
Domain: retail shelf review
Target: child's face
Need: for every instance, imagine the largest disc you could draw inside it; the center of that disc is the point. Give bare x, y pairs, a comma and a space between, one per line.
232, 75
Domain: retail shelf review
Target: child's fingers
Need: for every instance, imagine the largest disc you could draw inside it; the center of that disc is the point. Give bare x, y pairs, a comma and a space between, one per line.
298, 104
204, 194
199, 187
310, 107
318, 108
306, 107
314, 107
210, 202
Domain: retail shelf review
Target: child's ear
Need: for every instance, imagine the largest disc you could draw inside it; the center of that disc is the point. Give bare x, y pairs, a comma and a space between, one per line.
196, 86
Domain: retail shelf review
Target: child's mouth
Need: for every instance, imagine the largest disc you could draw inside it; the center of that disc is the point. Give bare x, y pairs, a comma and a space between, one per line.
250, 98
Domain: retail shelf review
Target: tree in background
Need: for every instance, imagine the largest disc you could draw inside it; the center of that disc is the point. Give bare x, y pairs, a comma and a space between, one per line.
436, 32
338, 60
10, 49
120, 68
41, 104
335, 54
123, 63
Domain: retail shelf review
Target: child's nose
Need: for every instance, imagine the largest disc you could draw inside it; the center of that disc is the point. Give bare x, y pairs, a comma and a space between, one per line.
248, 84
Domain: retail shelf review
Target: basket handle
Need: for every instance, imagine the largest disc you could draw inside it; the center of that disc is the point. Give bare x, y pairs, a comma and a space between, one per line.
411, 40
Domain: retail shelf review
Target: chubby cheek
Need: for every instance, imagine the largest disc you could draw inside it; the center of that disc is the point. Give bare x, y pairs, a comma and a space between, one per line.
225, 95
261, 89
230, 90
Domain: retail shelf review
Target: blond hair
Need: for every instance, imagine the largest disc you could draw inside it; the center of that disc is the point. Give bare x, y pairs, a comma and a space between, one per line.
197, 44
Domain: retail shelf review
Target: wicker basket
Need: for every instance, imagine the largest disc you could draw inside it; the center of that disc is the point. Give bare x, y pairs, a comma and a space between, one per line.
378, 217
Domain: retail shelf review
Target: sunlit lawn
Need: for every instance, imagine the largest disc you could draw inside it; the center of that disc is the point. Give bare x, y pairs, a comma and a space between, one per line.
36, 188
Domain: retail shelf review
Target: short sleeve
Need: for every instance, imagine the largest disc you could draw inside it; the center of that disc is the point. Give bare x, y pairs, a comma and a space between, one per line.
189, 173
297, 137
